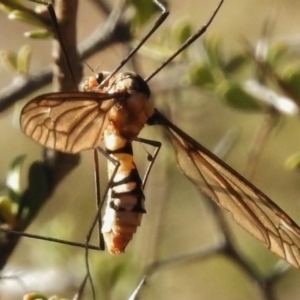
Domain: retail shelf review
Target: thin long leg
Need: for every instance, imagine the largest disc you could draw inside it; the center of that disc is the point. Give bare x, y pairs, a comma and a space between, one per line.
97, 218
101, 203
152, 157
48, 239
78, 295
188, 42
159, 21
98, 197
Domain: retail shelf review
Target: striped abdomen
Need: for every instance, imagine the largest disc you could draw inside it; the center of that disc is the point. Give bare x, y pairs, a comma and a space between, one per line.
125, 203
126, 118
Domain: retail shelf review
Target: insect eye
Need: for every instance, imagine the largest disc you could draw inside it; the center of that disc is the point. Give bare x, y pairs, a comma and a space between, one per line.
99, 77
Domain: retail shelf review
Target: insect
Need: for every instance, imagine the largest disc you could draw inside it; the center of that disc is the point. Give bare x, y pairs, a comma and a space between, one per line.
116, 120
76, 121
251, 208
114, 108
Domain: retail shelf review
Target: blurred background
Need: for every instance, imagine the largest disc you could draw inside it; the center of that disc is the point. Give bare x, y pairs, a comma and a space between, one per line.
179, 220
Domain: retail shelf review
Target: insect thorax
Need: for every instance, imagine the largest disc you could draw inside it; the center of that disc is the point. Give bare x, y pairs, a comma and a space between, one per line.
131, 110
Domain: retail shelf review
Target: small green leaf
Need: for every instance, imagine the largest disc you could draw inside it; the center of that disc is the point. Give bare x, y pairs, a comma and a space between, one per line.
181, 31
212, 45
11, 5
9, 60
200, 74
235, 96
8, 211
26, 17
13, 177
6, 8
23, 59
39, 34
144, 10
293, 162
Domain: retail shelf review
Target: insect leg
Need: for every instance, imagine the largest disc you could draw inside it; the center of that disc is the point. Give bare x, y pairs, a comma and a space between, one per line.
164, 14
98, 197
188, 42
151, 157
97, 218
48, 239
79, 294
100, 202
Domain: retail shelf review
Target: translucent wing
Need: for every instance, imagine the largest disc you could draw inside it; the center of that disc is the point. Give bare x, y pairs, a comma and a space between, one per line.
69, 122
248, 206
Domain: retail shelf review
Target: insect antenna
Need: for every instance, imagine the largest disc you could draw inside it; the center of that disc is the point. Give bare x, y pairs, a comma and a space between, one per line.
187, 43
164, 14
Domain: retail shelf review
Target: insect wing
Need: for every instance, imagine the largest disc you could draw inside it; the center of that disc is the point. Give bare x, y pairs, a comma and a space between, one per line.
249, 207
69, 122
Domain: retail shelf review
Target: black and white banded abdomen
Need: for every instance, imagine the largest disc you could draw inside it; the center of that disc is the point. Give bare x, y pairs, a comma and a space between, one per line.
125, 201
126, 118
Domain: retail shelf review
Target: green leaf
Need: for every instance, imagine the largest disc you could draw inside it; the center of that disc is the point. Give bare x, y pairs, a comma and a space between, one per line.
10, 6
235, 96
39, 34
26, 17
23, 59
9, 60
212, 46
200, 74
181, 30
13, 177
6, 8
145, 9
8, 211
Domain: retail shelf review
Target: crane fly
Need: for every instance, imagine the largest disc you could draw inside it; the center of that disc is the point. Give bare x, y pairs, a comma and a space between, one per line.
76, 121
72, 122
